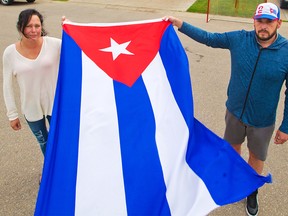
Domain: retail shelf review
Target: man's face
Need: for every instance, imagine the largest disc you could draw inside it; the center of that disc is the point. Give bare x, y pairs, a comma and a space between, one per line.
266, 29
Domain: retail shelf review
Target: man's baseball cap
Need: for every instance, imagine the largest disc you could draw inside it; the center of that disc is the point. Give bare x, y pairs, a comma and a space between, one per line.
267, 11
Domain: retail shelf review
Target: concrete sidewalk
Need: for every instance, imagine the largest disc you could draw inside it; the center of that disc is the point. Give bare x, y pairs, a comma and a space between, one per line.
170, 5
20, 156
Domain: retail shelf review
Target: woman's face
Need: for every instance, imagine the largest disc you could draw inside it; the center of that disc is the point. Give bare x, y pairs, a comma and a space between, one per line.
33, 29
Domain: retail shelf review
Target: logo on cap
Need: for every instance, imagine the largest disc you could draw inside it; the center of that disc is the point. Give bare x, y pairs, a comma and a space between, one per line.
267, 11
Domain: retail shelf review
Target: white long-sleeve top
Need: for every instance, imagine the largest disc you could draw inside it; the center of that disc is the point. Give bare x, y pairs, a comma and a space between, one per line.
36, 78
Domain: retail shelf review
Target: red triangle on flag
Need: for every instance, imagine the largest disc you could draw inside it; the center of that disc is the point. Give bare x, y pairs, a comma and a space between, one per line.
122, 51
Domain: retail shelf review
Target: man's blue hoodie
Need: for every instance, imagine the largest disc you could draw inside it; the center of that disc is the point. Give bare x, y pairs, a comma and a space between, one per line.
254, 104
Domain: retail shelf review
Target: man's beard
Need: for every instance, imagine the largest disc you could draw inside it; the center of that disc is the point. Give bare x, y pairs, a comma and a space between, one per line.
269, 36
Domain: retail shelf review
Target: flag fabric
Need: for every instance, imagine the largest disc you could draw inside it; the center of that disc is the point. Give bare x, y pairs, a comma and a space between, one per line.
123, 138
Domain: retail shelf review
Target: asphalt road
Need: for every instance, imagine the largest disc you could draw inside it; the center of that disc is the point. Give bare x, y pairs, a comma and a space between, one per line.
20, 157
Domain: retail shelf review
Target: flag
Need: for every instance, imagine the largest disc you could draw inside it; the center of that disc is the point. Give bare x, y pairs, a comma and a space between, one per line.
123, 137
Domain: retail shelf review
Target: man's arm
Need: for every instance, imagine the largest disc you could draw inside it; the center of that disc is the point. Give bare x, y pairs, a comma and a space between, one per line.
215, 40
282, 134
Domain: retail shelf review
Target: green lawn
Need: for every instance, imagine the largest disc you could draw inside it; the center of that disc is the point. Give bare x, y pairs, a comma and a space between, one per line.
238, 8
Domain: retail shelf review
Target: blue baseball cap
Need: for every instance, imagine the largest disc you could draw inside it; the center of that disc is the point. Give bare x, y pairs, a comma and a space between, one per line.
267, 11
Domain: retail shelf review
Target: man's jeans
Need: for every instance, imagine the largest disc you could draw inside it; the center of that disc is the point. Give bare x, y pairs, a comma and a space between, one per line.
40, 131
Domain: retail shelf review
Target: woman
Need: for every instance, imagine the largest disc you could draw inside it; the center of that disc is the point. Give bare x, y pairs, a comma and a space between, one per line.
33, 61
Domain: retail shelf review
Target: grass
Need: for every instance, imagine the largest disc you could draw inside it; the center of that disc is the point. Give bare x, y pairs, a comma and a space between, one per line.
239, 8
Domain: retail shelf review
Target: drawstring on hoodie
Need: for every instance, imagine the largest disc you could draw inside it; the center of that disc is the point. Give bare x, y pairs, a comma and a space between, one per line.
249, 86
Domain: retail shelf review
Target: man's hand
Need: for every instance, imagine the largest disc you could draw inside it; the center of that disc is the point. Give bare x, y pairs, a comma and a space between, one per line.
15, 124
280, 137
175, 21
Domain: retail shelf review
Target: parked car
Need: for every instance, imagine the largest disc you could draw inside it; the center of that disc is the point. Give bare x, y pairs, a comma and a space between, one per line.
284, 4
9, 2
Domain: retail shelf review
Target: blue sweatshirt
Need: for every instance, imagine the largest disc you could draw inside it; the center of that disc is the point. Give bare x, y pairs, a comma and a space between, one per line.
271, 71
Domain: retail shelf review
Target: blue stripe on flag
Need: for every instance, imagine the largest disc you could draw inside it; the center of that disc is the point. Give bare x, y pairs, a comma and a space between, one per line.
143, 178
172, 53
58, 186
226, 175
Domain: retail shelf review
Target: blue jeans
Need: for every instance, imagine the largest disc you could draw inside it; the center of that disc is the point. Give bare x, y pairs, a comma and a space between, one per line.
40, 131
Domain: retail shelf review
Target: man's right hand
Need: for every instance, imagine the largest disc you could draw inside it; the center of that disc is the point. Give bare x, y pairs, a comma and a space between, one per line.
175, 21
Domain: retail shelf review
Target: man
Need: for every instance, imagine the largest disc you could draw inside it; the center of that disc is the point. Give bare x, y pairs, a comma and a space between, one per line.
259, 67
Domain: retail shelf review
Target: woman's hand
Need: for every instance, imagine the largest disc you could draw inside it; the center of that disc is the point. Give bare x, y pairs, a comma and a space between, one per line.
15, 124
64, 19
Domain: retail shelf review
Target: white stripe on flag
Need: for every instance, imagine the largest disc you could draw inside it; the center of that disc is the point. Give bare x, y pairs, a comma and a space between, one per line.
100, 187
184, 187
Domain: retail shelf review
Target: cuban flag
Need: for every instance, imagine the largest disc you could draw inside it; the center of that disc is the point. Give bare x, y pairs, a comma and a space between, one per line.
123, 137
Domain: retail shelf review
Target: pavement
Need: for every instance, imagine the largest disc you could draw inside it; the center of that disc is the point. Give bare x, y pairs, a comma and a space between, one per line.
20, 157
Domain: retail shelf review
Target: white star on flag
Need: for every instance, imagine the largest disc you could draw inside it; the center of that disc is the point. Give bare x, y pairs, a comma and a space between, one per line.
117, 49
